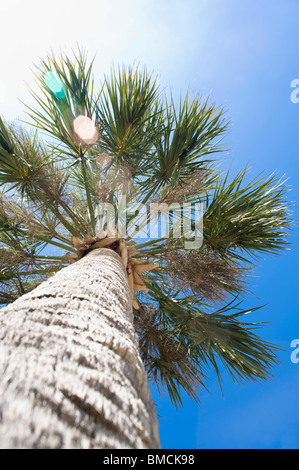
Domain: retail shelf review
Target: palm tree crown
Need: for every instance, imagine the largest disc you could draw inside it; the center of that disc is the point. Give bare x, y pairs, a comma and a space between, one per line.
128, 140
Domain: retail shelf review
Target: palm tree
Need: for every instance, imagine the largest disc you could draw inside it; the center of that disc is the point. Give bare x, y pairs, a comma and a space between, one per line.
92, 305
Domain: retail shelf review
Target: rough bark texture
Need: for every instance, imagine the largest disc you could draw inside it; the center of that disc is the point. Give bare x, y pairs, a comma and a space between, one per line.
71, 374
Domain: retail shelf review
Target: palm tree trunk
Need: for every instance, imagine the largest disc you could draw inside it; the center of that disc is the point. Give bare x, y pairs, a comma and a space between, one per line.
71, 375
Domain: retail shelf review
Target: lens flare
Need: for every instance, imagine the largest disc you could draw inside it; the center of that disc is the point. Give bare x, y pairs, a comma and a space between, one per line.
103, 160
54, 84
85, 130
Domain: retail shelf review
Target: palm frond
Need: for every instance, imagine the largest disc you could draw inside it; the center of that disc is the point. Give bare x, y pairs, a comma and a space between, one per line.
166, 359
188, 137
66, 91
22, 158
128, 113
211, 339
206, 274
247, 218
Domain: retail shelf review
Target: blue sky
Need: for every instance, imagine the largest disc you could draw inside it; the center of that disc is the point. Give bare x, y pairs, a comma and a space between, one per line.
245, 55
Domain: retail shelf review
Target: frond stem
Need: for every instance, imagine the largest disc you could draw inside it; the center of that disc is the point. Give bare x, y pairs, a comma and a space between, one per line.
86, 184
64, 222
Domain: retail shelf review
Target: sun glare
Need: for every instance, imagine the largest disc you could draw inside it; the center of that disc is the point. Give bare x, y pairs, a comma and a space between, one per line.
85, 130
